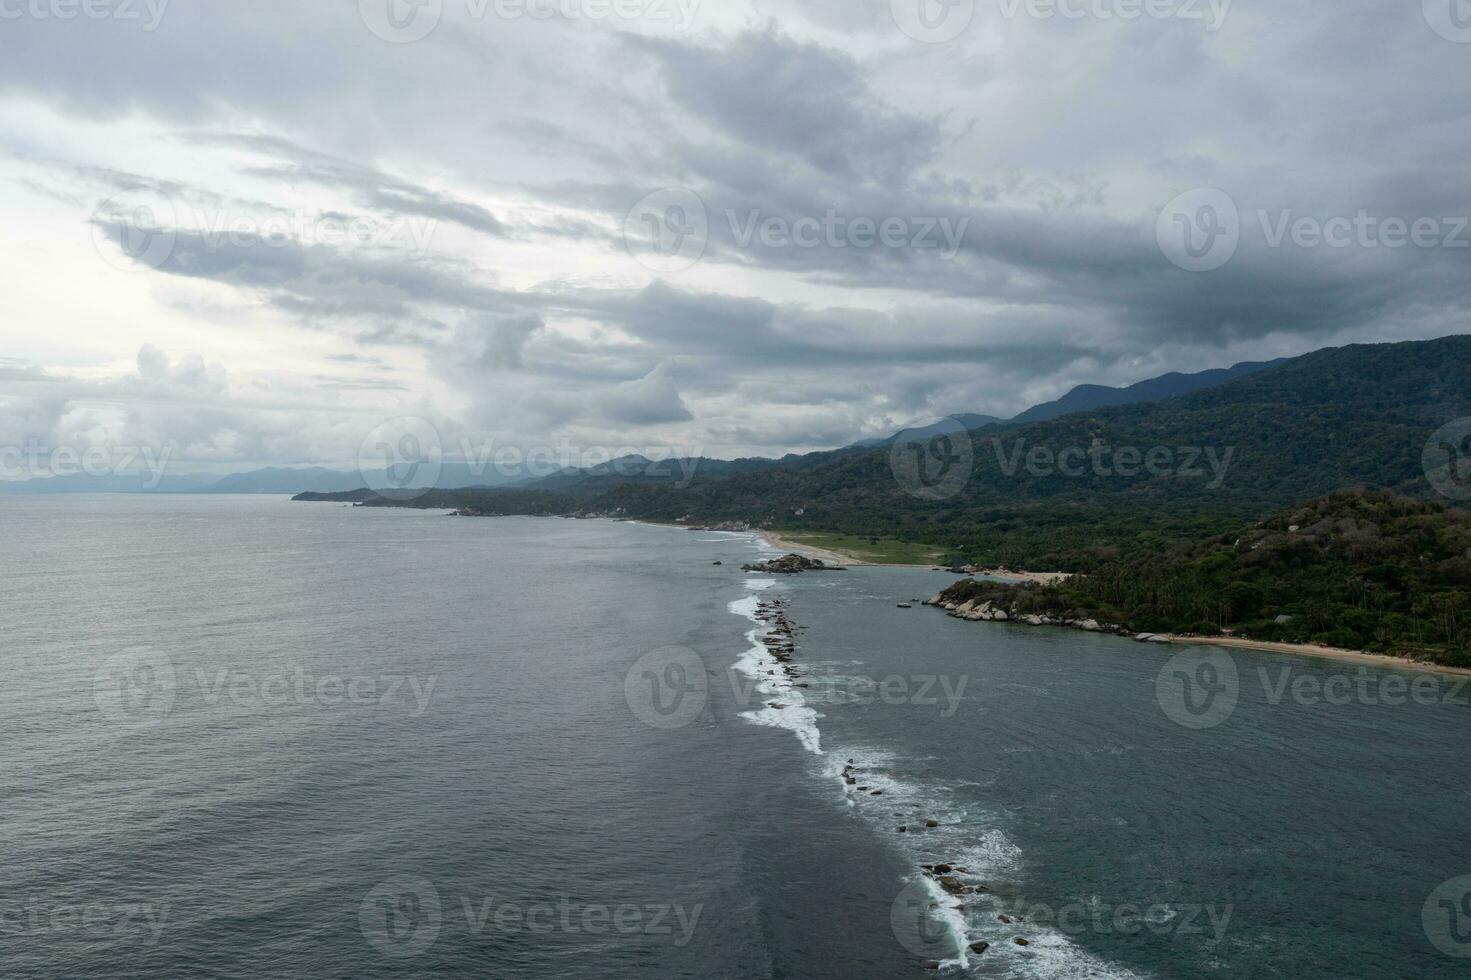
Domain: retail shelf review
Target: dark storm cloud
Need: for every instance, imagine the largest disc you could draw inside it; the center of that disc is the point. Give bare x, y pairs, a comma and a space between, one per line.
1054, 144
769, 93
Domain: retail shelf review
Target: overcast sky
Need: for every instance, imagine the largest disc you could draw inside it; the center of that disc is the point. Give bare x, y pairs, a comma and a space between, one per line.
254, 231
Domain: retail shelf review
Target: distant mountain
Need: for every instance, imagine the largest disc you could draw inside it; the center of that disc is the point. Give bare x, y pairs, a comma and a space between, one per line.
1085, 398
1080, 490
275, 479
107, 483
285, 480
965, 420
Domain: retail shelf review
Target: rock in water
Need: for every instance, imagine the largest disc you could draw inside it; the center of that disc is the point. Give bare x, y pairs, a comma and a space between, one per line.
791, 565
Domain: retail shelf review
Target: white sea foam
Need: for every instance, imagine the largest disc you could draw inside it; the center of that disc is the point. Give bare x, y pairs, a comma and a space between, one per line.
965, 838
771, 682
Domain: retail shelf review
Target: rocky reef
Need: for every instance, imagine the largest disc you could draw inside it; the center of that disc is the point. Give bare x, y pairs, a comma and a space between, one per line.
1009, 604
791, 565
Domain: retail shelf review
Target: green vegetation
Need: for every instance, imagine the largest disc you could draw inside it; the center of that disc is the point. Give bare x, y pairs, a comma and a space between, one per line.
1387, 570
1364, 571
1336, 419
883, 551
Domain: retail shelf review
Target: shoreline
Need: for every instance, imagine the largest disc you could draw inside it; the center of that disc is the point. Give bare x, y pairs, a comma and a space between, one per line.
831, 556
1328, 653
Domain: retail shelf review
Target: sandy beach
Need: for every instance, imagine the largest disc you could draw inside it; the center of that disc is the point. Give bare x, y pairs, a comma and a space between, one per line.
1334, 653
823, 554
842, 558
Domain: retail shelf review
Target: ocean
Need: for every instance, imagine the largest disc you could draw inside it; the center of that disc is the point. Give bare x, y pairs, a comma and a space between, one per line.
251, 737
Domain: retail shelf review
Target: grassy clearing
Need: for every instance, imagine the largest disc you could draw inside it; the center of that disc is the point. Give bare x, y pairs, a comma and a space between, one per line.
885, 551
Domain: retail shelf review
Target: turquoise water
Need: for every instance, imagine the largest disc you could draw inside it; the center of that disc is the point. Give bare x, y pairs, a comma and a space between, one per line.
250, 737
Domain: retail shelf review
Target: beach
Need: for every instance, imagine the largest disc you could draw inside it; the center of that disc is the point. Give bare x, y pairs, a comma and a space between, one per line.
843, 558
1334, 653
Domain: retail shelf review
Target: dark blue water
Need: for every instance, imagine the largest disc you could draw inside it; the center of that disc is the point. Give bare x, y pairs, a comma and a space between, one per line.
257, 738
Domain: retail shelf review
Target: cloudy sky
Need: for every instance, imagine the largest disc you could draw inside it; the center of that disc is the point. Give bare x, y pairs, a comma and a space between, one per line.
253, 232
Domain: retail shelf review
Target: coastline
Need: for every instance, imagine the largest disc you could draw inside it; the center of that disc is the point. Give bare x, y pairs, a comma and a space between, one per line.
831, 556
1331, 653
780, 543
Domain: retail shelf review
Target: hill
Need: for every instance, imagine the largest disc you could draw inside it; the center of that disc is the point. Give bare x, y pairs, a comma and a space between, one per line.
1364, 571
1079, 490
1085, 398
1091, 488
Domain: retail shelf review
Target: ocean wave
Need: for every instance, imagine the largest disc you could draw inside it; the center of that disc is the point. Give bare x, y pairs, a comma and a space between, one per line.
784, 705
979, 853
